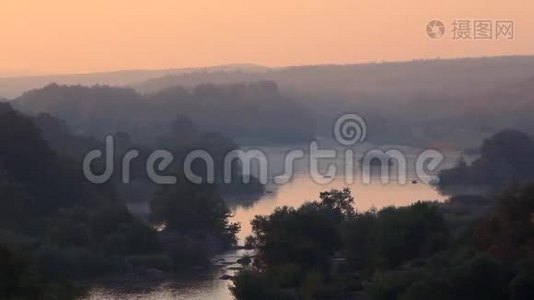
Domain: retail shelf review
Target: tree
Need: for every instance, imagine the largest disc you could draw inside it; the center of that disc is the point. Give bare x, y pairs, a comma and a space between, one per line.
194, 209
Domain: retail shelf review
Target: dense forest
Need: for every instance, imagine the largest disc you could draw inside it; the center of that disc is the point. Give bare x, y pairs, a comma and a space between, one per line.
465, 248
440, 103
56, 227
99, 110
472, 246
505, 157
449, 102
266, 150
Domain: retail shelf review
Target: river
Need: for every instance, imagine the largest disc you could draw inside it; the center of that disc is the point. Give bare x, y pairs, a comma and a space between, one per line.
300, 188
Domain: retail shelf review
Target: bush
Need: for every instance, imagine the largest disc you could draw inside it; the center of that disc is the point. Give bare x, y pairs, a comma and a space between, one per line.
153, 261
522, 286
188, 253
74, 262
250, 284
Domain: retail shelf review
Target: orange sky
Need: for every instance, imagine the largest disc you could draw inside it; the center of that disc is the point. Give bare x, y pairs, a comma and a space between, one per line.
63, 36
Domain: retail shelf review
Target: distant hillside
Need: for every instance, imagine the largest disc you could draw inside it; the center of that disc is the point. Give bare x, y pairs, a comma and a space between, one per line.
389, 78
11, 87
436, 103
427, 102
254, 110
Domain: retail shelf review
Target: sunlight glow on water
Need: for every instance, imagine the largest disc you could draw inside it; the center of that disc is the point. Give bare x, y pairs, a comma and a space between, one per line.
300, 189
303, 189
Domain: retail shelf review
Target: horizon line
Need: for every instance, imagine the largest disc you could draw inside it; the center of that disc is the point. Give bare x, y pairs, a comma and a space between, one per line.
237, 66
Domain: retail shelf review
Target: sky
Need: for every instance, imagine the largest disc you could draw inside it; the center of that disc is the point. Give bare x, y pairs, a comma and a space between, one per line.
80, 36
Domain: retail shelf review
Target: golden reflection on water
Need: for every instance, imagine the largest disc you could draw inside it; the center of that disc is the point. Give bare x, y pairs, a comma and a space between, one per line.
294, 193
302, 189
203, 286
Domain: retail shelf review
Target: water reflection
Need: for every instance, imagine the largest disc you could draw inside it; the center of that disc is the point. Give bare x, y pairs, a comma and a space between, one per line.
299, 189
302, 189
208, 285
205, 285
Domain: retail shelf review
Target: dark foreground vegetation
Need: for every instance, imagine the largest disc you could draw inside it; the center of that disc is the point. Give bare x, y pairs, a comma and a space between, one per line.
507, 156
473, 246
325, 250
57, 228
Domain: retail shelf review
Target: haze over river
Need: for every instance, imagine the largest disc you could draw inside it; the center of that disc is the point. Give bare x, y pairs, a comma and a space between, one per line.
300, 188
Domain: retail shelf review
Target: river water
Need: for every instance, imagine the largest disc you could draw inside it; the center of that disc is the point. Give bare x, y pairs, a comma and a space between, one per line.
299, 188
